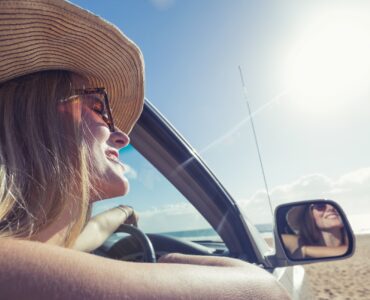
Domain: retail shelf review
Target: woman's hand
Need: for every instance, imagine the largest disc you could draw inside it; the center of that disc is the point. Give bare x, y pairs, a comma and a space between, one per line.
102, 226
131, 217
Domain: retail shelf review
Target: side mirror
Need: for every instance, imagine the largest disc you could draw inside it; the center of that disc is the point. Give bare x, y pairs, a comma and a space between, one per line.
310, 231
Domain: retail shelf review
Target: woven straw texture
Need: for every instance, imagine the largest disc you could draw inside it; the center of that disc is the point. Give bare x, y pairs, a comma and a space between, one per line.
38, 35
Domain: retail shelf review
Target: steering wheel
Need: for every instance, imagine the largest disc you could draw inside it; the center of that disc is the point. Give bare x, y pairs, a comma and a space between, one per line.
144, 241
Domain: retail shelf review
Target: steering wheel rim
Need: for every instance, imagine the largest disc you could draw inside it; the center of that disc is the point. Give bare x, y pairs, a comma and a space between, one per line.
142, 238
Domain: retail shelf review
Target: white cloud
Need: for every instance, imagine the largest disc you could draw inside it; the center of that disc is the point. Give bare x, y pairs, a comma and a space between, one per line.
350, 190
130, 172
162, 4
174, 217
147, 176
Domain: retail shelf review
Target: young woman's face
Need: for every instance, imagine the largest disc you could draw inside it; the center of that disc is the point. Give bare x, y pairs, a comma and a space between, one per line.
104, 145
326, 216
107, 172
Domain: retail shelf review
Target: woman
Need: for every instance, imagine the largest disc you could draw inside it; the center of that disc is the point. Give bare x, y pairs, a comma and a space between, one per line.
59, 146
319, 231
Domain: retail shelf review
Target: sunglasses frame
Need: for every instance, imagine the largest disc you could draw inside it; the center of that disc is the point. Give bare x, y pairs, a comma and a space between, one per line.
101, 91
318, 206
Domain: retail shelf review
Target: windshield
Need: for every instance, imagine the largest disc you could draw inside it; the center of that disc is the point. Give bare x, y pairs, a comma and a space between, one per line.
306, 72
160, 206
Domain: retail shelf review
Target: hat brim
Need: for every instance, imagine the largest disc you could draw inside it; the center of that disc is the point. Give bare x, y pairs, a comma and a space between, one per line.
38, 35
294, 217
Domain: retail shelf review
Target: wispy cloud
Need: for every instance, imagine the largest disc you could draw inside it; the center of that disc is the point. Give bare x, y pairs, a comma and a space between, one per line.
350, 190
130, 172
174, 217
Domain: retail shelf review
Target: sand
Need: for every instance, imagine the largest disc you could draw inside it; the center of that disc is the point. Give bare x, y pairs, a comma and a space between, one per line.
343, 279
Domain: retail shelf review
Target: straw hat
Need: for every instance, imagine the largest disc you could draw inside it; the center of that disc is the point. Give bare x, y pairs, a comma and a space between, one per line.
37, 35
295, 215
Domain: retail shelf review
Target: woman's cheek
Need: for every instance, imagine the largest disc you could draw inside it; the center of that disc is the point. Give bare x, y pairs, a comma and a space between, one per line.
71, 109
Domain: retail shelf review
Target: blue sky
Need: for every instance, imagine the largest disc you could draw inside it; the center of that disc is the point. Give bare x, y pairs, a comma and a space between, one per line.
306, 66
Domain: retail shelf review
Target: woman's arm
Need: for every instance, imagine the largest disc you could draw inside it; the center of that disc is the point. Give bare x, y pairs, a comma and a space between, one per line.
102, 225
32, 270
323, 251
291, 242
201, 260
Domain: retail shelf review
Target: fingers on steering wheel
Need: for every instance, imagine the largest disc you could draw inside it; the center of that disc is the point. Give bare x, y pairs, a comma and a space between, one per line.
132, 219
131, 215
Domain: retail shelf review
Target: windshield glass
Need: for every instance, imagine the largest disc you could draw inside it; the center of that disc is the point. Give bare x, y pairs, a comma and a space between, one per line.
160, 206
306, 72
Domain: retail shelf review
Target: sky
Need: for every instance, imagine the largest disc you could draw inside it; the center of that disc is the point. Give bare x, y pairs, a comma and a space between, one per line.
306, 66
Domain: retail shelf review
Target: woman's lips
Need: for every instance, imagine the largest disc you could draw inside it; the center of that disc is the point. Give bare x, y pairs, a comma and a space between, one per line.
332, 216
113, 155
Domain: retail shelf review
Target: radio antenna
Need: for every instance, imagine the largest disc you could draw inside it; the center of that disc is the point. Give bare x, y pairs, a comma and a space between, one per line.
255, 138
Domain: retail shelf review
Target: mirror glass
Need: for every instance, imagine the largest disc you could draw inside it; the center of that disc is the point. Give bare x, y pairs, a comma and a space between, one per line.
315, 229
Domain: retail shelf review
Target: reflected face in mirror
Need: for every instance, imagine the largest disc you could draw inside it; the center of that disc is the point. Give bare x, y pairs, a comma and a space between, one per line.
313, 230
326, 216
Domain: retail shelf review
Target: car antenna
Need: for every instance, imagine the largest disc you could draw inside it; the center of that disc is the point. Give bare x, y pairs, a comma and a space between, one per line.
255, 137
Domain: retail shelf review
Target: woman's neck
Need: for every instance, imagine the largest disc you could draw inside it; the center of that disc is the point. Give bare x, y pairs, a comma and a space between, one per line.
332, 238
57, 231
54, 235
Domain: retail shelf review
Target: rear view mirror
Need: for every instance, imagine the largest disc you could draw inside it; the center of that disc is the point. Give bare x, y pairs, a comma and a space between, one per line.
312, 230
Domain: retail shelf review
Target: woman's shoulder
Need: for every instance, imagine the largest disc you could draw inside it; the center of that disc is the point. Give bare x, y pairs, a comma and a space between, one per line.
11, 247
35, 270
290, 237
291, 241
44, 255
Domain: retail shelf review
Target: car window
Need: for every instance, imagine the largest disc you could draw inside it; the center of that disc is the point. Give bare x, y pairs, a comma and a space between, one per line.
161, 207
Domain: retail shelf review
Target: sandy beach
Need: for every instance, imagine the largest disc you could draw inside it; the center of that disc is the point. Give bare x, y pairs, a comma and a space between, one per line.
343, 279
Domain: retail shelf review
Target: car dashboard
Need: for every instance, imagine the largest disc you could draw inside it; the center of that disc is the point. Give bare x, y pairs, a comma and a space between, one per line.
124, 247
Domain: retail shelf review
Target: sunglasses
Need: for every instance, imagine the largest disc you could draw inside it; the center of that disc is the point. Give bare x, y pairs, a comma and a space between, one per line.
319, 206
97, 100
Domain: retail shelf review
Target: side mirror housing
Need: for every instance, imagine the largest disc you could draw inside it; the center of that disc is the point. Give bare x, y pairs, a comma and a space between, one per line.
311, 231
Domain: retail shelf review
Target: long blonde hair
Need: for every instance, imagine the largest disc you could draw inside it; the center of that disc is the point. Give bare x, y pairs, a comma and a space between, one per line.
43, 157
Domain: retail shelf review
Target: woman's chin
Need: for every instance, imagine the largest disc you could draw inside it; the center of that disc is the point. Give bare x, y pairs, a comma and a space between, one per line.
112, 189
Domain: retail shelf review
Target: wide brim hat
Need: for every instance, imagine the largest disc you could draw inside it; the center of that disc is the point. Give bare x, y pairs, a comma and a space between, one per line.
38, 35
295, 216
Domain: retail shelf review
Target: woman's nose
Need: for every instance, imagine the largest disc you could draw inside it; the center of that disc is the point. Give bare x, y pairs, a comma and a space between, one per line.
330, 207
119, 139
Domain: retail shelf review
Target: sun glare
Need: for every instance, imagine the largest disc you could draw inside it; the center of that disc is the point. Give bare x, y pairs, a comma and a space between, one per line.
329, 66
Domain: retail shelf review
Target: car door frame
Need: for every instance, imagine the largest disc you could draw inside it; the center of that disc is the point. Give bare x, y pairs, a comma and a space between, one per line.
159, 142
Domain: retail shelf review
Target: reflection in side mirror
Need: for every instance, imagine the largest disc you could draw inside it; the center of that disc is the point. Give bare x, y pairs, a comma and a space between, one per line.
312, 230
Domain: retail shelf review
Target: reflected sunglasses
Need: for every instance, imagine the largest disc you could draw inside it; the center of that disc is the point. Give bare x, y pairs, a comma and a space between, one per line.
318, 206
98, 99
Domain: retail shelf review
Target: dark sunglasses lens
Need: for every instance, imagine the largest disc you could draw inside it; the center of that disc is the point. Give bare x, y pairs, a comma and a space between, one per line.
319, 206
98, 104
